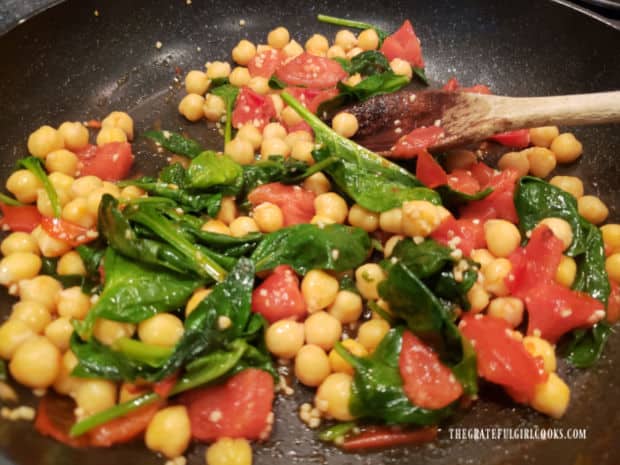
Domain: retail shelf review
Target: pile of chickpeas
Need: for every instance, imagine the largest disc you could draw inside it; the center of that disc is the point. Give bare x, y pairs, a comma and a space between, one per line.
35, 337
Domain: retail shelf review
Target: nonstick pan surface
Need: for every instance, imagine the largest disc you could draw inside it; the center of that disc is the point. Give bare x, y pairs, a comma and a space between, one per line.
70, 63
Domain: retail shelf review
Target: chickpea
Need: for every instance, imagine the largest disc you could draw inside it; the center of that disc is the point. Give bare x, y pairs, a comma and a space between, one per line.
317, 183
24, 185
49, 246
302, 150
332, 206
333, 396
198, 296
35, 315
495, 274
339, 364
321, 220
368, 39
278, 103
323, 330
240, 150
82, 187
13, 333
163, 329
296, 136
132, 192
94, 198
260, 85
73, 303
74, 134
108, 331
43, 289
336, 51
345, 124
284, 338
566, 148
216, 226
560, 229
227, 451
240, 76
243, 53
59, 332
290, 116
274, 131
390, 244
481, 256
354, 79
552, 396
292, 49
367, 279
120, 120
354, 52
542, 161
509, 309
391, 221
612, 265
311, 365
364, 219
478, 298
77, 211
243, 225
228, 210
19, 266
460, 159
94, 396
401, 67
197, 82
219, 69
319, 290
502, 237
191, 106
62, 183
19, 242
35, 363
268, 217
570, 184
566, 272
169, 432
420, 218
539, 347
543, 136
274, 147
317, 45
347, 307
250, 133
110, 134
610, 232
371, 333
44, 140
62, 161
592, 209
278, 37
515, 160
65, 383
214, 107
345, 39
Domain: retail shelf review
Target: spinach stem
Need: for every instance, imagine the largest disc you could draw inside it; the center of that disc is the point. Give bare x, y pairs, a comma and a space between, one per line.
344, 22
5, 199
35, 166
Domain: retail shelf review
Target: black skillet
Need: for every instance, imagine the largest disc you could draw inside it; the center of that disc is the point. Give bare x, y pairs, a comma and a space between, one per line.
83, 58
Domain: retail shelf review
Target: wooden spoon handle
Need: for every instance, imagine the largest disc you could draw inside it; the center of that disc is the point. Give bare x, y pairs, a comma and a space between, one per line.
567, 110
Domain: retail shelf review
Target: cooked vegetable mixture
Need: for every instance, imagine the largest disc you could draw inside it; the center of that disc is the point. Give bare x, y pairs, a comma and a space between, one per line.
161, 307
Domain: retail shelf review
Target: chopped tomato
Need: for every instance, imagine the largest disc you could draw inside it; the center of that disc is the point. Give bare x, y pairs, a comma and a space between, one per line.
518, 139
301, 126
502, 358
251, 107
613, 303
470, 234
312, 98
55, 418
296, 203
237, 408
162, 388
404, 44
265, 63
93, 123
418, 140
453, 85
483, 173
125, 428
499, 203
323, 96
71, 233
311, 71
20, 218
110, 162
279, 296
429, 172
378, 437
426, 381
463, 181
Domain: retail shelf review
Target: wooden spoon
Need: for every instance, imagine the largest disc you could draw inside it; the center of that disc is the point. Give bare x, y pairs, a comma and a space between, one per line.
468, 118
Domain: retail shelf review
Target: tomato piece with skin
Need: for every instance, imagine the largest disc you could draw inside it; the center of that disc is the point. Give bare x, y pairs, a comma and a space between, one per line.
296, 203
110, 162
429, 172
518, 139
71, 233
613, 303
311, 71
254, 108
502, 358
404, 44
499, 203
265, 63
22, 218
279, 296
125, 428
237, 408
470, 234
162, 388
379, 437
55, 418
463, 181
453, 86
426, 381
482, 173
417, 141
